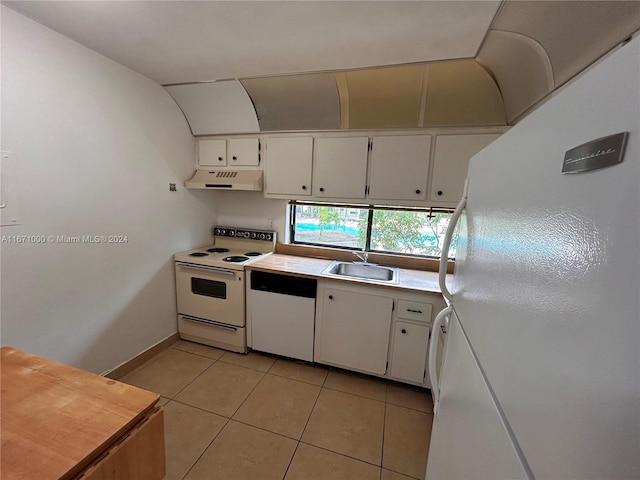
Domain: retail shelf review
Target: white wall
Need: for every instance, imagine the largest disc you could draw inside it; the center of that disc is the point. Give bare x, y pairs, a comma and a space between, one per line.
93, 147
251, 210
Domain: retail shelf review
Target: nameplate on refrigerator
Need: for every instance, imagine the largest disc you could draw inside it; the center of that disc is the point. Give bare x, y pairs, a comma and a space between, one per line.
596, 154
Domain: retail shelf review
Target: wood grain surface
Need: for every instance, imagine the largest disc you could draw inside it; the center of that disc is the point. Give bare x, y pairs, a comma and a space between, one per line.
56, 419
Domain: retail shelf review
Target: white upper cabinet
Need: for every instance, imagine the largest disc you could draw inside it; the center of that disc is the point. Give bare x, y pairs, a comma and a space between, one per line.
243, 152
399, 167
412, 168
451, 161
232, 152
340, 167
288, 162
212, 153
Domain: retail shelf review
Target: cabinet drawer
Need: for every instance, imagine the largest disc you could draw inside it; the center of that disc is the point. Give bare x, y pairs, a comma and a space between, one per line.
414, 311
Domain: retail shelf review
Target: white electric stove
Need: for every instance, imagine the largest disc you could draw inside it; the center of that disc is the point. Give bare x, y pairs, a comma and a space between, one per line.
210, 286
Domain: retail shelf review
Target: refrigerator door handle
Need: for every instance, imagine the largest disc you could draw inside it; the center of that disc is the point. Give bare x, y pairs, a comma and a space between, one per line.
433, 351
444, 256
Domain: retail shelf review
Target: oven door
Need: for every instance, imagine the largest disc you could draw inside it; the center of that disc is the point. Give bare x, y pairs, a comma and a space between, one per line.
210, 293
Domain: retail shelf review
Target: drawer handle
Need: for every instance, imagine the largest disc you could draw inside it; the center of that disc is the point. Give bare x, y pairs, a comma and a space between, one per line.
414, 311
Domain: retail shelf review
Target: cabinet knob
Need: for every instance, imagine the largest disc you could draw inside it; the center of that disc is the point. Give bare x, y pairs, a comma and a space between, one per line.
404, 331
439, 192
220, 159
322, 189
304, 187
418, 192
330, 297
234, 158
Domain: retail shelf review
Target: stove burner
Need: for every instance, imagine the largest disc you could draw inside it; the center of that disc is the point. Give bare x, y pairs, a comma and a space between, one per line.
253, 254
235, 258
198, 254
218, 250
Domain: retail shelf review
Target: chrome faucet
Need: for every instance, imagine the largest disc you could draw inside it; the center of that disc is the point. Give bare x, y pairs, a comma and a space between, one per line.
364, 256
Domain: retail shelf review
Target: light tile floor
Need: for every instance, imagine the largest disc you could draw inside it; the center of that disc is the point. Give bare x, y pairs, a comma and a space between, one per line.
231, 416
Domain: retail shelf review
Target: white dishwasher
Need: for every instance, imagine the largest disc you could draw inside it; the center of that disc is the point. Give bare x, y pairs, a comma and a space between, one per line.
282, 314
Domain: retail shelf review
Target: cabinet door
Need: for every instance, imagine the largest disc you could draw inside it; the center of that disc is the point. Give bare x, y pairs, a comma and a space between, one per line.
212, 153
353, 331
399, 167
242, 152
288, 165
409, 357
340, 167
451, 161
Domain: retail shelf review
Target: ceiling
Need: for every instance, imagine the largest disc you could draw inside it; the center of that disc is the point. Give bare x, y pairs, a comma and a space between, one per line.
191, 41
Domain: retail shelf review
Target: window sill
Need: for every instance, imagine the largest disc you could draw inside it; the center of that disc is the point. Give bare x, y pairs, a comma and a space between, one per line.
414, 263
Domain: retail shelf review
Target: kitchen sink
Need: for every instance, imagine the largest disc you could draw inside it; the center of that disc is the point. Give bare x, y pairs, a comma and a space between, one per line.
361, 270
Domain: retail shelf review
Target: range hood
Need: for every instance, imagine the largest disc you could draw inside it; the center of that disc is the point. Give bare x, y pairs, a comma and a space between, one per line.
226, 180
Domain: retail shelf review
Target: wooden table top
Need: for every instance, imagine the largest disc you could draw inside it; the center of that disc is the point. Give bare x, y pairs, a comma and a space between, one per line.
56, 419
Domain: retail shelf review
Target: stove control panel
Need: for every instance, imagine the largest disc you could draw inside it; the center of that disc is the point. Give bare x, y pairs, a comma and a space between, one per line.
244, 233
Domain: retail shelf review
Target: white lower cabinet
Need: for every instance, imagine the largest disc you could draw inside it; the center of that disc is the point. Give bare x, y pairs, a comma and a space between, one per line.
383, 332
409, 352
352, 328
410, 340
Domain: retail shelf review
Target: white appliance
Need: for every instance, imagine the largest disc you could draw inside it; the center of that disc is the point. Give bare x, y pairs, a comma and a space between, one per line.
541, 370
210, 290
281, 314
226, 180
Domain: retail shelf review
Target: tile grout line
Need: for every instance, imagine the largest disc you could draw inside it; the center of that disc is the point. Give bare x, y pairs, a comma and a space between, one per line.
342, 455
196, 377
315, 402
384, 431
206, 448
298, 441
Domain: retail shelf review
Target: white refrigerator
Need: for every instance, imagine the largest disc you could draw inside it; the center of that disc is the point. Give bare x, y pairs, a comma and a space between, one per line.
541, 371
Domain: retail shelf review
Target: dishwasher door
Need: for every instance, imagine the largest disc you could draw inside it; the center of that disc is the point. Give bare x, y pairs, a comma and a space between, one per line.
282, 314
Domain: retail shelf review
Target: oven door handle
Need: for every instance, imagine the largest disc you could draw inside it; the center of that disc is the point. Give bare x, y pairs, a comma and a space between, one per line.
221, 271
210, 323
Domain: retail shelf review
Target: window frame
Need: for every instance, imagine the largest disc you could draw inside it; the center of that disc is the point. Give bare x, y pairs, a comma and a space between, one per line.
371, 209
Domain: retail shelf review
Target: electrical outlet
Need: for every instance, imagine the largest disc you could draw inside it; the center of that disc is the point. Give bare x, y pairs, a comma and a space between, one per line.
271, 224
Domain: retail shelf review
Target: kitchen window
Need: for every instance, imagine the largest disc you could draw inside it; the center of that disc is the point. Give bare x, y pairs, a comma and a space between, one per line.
382, 229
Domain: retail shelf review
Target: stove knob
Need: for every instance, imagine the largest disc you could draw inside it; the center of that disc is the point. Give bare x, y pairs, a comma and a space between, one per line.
254, 235
262, 236
221, 232
246, 234
232, 233
268, 236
